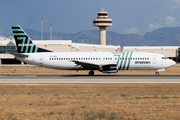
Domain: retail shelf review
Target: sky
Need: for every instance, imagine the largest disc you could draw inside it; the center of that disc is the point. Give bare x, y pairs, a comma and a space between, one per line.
72, 16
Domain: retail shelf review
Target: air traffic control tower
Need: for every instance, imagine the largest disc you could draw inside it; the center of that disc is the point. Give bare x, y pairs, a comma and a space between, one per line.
102, 22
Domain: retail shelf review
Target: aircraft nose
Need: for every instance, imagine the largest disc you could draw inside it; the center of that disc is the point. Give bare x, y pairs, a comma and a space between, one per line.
172, 63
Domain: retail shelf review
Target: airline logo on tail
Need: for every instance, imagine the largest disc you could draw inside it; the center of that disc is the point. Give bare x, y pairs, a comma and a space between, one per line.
23, 42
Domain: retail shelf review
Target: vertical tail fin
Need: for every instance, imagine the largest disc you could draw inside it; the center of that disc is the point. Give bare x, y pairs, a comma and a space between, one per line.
23, 41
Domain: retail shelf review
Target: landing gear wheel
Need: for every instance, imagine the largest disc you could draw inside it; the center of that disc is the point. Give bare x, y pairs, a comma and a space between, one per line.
157, 73
91, 73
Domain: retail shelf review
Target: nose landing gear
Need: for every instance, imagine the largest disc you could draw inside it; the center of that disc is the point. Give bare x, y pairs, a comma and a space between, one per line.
157, 73
91, 73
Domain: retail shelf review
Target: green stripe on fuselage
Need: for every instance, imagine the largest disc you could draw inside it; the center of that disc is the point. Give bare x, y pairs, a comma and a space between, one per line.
129, 61
121, 61
125, 60
118, 61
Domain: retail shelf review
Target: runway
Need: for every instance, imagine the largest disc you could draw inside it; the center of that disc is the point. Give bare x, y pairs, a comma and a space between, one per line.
33, 78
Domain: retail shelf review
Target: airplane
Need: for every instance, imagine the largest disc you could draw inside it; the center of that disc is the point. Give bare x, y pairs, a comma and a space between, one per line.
105, 62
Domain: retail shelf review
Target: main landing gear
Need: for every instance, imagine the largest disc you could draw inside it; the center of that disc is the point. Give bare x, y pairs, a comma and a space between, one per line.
157, 73
91, 73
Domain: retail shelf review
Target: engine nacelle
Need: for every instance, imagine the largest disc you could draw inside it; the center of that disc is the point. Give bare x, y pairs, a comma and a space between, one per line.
111, 68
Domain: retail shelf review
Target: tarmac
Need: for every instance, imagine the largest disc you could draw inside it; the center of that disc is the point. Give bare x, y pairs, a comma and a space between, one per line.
40, 78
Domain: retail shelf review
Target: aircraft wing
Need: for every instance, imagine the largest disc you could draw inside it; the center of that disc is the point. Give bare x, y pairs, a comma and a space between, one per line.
86, 64
19, 54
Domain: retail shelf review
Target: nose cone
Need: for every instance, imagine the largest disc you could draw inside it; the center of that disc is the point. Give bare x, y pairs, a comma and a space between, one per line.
171, 63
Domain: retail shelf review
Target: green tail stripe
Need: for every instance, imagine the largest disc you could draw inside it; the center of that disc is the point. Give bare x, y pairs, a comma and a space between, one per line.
36, 49
15, 25
31, 50
27, 46
19, 34
16, 29
129, 61
22, 47
23, 41
121, 61
125, 60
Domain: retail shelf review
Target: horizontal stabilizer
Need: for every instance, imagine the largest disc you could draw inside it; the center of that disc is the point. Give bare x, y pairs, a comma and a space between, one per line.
19, 54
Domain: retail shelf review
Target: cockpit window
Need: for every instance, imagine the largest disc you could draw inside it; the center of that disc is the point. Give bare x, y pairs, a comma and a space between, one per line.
164, 57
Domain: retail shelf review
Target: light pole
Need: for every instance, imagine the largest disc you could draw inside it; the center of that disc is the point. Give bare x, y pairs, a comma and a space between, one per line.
51, 32
42, 28
161, 40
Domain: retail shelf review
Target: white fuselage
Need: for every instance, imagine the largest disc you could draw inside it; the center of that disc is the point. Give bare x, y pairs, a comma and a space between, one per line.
123, 60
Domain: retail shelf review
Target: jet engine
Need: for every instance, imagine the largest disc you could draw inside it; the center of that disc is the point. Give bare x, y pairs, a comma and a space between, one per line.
111, 68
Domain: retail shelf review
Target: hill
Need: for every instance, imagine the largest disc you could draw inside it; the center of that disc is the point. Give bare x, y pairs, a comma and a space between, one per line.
171, 37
